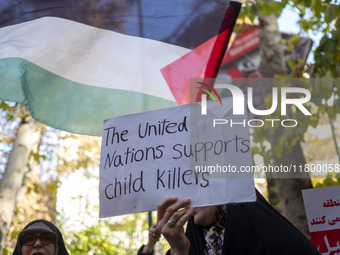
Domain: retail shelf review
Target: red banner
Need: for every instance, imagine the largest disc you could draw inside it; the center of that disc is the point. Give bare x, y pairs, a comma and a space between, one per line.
327, 242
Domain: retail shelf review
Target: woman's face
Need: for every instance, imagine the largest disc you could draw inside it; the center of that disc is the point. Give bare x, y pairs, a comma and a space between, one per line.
38, 248
204, 216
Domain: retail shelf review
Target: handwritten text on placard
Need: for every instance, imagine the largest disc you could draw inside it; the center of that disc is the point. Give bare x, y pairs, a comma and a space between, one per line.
149, 156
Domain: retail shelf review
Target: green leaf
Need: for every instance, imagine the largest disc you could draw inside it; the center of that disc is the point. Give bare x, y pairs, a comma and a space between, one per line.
317, 8
278, 150
330, 13
276, 8
266, 8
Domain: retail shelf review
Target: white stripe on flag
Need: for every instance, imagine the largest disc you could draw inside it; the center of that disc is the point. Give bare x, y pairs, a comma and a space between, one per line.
92, 56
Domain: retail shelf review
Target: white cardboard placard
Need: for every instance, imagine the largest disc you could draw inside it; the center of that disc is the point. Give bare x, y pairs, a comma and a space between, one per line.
145, 158
322, 207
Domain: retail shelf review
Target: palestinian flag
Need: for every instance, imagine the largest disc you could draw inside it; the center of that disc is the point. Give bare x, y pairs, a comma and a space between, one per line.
74, 64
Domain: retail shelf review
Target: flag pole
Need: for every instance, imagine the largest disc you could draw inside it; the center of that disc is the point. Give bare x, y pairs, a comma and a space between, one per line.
221, 44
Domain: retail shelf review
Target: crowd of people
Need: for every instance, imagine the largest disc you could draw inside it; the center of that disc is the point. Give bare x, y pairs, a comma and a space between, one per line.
253, 228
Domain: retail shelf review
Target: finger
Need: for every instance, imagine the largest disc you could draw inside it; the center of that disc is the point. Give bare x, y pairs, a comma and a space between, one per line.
178, 219
177, 215
172, 210
153, 228
172, 222
186, 216
154, 236
161, 208
153, 232
175, 207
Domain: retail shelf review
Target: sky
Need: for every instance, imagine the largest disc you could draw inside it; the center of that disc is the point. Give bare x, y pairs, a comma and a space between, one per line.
288, 23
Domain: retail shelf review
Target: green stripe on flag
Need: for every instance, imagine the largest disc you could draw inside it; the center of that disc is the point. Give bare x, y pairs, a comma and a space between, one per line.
70, 106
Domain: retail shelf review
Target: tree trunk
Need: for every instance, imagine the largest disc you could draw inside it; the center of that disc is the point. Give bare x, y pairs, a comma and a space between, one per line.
27, 139
289, 189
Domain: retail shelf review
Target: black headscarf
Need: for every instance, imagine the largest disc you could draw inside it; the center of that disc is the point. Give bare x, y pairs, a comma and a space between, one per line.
61, 245
254, 229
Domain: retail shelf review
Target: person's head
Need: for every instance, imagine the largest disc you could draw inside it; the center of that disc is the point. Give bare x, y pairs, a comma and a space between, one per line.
40, 237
